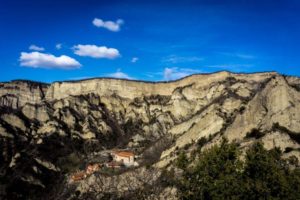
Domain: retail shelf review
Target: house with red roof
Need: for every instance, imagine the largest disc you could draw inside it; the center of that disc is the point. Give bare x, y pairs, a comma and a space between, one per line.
91, 168
124, 157
78, 176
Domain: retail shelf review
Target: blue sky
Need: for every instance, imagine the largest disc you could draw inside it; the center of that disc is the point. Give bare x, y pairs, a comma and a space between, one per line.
146, 40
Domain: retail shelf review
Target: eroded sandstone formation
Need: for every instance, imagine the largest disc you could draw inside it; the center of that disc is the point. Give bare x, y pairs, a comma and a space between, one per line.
41, 125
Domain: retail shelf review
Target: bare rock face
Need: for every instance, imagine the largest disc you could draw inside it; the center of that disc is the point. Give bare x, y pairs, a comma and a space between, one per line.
86, 116
15, 120
38, 112
17, 93
274, 104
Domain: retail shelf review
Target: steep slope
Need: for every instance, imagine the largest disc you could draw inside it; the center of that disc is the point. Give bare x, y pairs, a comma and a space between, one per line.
17, 93
49, 130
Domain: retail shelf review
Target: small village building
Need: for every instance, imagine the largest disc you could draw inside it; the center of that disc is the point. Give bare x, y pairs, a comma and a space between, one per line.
91, 168
125, 157
78, 176
114, 165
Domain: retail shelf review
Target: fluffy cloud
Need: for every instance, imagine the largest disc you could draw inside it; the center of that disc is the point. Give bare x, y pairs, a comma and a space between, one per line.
36, 48
96, 51
42, 60
177, 73
109, 25
58, 46
134, 59
119, 74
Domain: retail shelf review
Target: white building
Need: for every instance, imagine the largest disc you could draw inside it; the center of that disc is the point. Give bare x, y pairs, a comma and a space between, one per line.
125, 157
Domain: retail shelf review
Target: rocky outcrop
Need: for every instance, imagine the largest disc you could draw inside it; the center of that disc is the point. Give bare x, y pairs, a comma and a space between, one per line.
86, 116
19, 92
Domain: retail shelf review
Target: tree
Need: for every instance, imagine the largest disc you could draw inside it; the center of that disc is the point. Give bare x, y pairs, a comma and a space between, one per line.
182, 161
215, 174
267, 176
220, 173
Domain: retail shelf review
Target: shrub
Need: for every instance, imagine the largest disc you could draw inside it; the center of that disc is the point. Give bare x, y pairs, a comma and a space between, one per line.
182, 161
219, 173
201, 142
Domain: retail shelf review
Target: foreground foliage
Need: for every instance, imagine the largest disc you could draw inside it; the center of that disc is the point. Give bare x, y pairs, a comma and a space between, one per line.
223, 173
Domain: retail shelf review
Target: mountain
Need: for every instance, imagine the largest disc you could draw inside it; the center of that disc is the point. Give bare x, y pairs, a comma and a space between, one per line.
50, 130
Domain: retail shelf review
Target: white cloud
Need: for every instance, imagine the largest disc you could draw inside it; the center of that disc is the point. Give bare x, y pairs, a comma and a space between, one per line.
245, 56
119, 74
174, 73
134, 59
238, 55
36, 48
109, 25
43, 60
58, 46
180, 59
96, 51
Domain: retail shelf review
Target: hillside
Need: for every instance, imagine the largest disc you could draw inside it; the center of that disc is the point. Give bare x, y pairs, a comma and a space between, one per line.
47, 131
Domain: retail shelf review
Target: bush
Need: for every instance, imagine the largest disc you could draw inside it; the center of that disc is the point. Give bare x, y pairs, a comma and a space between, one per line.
219, 173
182, 161
201, 142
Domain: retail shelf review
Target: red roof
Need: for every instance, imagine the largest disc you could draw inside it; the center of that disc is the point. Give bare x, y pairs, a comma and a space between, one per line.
124, 154
78, 176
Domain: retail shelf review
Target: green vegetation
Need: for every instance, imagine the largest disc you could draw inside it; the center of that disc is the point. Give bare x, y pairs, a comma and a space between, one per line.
201, 142
222, 173
70, 163
182, 161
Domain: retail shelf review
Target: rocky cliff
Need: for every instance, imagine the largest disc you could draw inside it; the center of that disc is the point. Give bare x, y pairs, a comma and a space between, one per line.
45, 129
